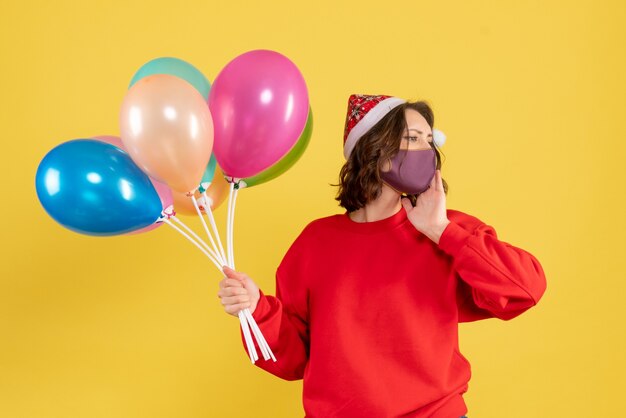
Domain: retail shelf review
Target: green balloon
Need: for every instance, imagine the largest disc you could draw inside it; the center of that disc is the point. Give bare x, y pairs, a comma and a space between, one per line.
175, 67
288, 160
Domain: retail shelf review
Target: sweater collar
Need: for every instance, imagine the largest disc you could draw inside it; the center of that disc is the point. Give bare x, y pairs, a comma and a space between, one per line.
373, 227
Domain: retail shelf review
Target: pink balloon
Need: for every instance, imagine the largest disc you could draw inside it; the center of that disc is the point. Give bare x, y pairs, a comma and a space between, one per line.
260, 104
110, 139
167, 129
164, 192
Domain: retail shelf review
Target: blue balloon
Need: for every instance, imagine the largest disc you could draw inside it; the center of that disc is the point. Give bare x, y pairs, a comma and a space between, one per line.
94, 188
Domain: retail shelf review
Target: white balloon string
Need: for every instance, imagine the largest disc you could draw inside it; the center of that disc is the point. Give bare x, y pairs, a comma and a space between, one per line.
259, 337
232, 229
246, 333
245, 316
209, 213
229, 220
248, 324
213, 260
206, 228
198, 239
250, 320
262, 342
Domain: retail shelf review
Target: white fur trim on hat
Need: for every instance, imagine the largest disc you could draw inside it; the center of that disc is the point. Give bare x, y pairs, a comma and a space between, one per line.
370, 119
439, 138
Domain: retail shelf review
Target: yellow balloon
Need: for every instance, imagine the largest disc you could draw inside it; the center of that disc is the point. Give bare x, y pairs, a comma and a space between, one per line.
217, 192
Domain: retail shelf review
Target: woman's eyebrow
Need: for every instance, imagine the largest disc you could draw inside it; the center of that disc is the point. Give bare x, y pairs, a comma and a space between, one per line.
419, 132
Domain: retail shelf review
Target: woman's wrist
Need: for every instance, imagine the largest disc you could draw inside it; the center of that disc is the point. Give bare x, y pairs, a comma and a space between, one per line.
435, 232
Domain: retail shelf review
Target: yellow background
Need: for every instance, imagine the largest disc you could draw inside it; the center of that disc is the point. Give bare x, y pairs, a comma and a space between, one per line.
530, 95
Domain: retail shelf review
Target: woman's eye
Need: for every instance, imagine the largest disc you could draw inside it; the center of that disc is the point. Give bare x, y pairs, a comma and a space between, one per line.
411, 138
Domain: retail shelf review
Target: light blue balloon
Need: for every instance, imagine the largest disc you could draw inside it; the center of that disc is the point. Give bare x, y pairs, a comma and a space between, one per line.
175, 67
209, 172
94, 188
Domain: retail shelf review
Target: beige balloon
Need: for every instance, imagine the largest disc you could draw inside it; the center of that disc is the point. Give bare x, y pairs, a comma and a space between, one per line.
166, 126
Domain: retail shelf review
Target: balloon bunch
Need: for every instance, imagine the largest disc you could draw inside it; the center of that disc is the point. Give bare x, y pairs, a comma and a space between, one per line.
185, 144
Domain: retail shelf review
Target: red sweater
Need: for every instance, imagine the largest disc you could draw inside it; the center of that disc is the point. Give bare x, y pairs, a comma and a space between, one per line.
367, 313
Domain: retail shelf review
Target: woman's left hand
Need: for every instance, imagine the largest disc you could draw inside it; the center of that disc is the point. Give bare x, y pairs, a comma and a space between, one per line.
429, 215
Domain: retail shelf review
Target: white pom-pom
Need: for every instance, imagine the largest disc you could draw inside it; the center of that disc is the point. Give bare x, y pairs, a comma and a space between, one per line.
439, 138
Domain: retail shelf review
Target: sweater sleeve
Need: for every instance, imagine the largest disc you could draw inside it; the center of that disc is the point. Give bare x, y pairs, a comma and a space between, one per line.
283, 320
497, 279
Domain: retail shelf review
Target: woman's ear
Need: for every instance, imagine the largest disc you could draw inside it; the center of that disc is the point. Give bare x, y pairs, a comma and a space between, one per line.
384, 165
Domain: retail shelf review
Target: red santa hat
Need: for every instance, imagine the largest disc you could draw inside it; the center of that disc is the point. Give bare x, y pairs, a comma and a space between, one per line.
365, 111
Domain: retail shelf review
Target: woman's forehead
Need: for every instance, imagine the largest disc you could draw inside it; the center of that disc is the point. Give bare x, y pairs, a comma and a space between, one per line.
415, 121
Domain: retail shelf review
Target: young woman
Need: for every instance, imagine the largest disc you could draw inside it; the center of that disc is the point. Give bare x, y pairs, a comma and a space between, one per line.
368, 302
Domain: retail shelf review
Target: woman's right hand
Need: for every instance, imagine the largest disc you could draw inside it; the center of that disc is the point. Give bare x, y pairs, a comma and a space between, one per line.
238, 292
